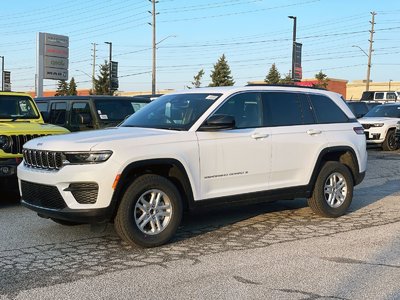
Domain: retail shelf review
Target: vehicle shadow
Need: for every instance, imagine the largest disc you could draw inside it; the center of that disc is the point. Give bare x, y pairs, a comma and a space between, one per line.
199, 223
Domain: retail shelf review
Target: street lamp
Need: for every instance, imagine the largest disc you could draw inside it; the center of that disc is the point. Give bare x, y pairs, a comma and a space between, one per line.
293, 46
390, 80
153, 76
368, 68
109, 67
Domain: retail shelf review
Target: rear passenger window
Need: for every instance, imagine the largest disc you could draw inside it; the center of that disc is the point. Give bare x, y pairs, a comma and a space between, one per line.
327, 111
284, 109
57, 113
379, 96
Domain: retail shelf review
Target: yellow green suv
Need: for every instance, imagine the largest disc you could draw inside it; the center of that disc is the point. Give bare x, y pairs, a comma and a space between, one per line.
20, 121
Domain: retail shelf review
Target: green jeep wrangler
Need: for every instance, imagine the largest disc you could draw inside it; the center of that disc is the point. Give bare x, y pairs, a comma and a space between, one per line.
20, 121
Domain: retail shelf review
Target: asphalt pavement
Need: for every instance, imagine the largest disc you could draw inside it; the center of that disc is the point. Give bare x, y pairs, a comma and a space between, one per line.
277, 250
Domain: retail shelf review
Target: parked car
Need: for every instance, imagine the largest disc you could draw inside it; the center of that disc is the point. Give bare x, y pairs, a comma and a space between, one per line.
196, 148
79, 113
20, 121
359, 108
372, 104
380, 125
380, 96
397, 134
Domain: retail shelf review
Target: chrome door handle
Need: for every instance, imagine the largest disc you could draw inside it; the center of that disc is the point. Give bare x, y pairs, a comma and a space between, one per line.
313, 131
259, 135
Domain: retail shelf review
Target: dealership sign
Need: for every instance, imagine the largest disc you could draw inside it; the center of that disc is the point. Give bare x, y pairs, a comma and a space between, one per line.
298, 72
53, 56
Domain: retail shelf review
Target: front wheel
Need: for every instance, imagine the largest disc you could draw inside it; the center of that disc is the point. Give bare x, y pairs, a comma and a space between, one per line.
333, 191
150, 211
390, 144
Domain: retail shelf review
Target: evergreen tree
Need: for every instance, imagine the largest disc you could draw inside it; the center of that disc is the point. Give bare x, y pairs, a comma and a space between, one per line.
273, 76
286, 80
322, 80
197, 79
102, 83
62, 88
221, 75
72, 87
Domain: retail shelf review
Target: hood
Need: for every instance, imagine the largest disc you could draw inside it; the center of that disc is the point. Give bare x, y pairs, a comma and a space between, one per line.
104, 139
367, 120
19, 127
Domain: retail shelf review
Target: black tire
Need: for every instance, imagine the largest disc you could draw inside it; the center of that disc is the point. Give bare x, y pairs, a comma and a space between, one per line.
163, 217
318, 202
389, 144
65, 223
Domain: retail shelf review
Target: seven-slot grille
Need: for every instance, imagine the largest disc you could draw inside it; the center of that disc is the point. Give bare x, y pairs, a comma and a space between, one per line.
19, 140
42, 159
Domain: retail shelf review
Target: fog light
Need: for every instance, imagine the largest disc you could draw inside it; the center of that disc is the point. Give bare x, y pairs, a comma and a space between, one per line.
5, 170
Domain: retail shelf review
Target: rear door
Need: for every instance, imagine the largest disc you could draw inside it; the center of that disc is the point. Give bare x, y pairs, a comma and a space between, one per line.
296, 138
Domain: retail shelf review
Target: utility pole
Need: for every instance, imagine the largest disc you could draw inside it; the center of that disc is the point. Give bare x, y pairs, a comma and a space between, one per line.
2, 73
371, 40
109, 68
153, 24
94, 66
293, 45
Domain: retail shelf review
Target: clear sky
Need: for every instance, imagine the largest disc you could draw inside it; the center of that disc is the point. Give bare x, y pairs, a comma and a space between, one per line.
253, 34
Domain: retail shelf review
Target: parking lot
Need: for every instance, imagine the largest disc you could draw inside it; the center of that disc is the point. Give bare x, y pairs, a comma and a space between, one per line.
277, 250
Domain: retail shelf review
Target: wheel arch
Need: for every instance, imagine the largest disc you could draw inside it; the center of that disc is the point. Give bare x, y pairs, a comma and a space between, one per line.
170, 168
343, 154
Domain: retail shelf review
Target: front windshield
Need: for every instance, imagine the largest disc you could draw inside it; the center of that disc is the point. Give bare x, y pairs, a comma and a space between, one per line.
111, 110
388, 111
176, 112
17, 107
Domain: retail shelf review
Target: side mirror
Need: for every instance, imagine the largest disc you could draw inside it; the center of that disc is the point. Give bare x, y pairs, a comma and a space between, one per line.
84, 119
218, 122
45, 116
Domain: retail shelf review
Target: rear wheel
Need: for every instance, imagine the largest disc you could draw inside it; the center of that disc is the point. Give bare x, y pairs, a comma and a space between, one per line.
390, 144
333, 191
150, 211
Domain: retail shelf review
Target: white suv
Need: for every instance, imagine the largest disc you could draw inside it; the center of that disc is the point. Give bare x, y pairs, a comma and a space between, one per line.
199, 148
380, 125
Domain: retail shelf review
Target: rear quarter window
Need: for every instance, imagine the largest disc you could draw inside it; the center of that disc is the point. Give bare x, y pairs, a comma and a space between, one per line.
327, 111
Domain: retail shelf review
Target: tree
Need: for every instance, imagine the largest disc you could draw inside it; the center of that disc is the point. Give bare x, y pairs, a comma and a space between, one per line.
197, 79
221, 75
322, 80
62, 88
102, 83
286, 80
273, 76
72, 87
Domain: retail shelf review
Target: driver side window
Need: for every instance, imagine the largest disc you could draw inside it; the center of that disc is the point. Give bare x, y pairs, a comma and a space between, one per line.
246, 108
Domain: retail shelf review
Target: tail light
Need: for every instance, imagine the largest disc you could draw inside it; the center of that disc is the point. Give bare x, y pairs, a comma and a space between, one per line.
358, 130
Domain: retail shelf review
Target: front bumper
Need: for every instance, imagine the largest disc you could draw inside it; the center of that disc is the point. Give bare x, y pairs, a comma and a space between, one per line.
374, 136
89, 216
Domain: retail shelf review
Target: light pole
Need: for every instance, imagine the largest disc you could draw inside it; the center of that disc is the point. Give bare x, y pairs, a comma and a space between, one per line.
2, 73
390, 80
109, 67
293, 46
368, 68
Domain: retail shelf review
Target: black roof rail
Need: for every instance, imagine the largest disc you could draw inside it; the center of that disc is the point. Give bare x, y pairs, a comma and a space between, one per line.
287, 85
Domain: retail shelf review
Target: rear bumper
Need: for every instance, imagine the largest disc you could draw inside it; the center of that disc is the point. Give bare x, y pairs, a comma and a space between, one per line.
89, 216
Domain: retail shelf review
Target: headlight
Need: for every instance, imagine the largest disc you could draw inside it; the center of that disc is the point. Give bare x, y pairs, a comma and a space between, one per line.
5, 142
86, 157
377, 124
